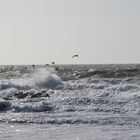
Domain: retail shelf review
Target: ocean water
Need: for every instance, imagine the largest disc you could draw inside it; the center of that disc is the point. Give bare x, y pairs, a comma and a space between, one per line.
70, 102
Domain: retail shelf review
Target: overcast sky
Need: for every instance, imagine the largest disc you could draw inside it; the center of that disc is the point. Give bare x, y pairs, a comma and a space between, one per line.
42, 31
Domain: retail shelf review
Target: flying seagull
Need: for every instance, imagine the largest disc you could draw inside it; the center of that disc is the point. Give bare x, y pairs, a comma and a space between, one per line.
53, 63
76, 55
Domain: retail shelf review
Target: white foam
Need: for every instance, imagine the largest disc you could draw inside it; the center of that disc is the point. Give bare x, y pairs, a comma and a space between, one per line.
45, 79
32, 107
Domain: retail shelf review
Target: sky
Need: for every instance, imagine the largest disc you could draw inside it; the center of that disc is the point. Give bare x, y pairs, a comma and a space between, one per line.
42, 31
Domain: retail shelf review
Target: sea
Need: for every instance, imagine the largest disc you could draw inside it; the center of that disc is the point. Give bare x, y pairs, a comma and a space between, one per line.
70, 102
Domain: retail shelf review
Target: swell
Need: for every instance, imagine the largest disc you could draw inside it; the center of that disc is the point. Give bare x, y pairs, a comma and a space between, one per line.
72, 72
100, 73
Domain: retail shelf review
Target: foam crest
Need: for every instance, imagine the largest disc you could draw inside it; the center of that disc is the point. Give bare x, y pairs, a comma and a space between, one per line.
45, 79
33, 107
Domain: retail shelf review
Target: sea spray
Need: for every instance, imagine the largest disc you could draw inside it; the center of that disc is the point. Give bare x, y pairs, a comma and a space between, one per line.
45, 79
41, 79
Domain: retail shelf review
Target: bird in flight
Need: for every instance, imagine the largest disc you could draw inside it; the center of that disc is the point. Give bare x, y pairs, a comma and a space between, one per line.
76, 55
53, 63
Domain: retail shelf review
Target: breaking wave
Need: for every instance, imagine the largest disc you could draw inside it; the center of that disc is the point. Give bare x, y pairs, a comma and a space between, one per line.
41, 79
91, 96
46, 79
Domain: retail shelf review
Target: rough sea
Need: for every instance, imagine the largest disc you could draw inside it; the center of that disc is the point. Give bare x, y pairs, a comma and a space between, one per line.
70, 102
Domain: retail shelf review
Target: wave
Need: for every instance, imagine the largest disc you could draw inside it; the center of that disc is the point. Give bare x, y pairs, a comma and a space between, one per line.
41, 106
71, 119
39, 80
89, 99
4, 105
99, 73
92, 95
45, 79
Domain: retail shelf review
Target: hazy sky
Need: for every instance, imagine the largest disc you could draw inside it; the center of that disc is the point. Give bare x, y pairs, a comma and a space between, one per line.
42, 31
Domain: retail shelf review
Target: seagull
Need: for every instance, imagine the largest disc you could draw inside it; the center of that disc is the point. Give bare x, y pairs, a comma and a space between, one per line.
53, 63
76, 55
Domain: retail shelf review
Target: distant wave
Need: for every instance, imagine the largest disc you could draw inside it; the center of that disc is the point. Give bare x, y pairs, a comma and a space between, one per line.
100, 73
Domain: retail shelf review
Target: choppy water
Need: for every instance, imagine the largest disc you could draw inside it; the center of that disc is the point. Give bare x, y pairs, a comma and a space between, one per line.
72, 101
